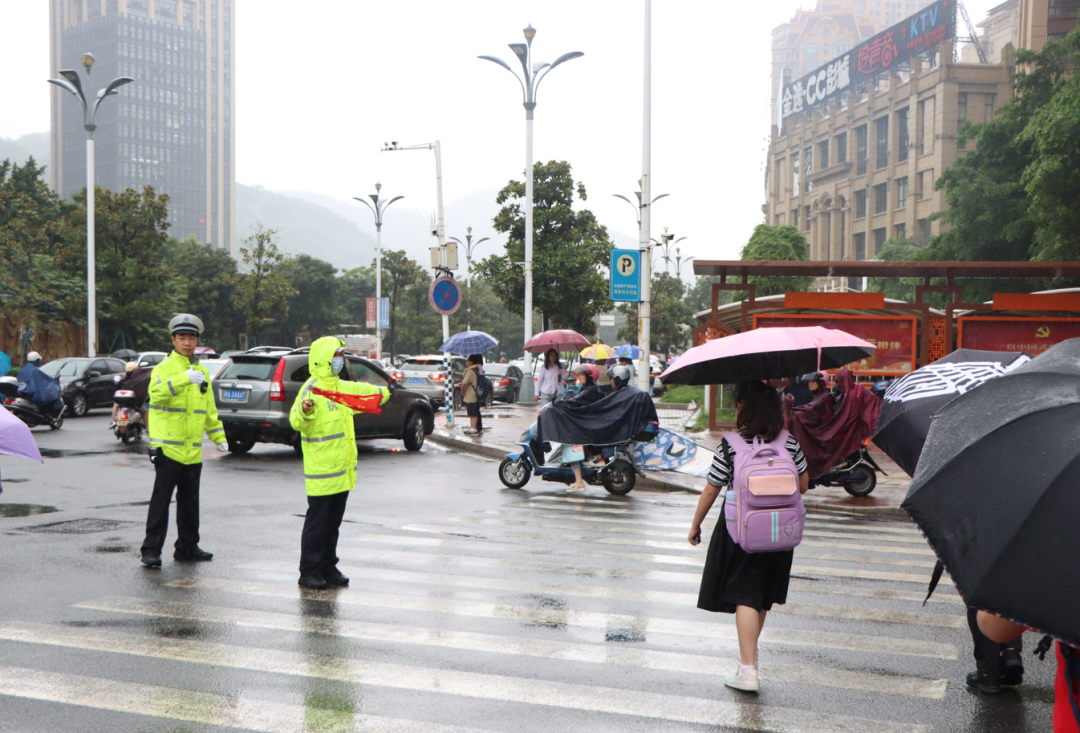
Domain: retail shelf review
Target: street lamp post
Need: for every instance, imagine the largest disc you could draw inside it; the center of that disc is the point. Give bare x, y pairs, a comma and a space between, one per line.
378, 209
469, 246
667, 242
71, 83
533, 75
680, 260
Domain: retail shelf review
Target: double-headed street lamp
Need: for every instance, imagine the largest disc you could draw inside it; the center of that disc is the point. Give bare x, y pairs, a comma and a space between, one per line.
533, 75
378, 209
680, 261
469, 247
667, 241
71, 83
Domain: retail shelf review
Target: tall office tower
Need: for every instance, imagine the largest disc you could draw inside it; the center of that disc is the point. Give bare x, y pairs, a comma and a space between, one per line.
175, 127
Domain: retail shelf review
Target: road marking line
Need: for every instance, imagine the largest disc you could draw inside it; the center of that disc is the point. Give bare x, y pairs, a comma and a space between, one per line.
203, 708
559, 617
799, 567
602, 592
451, 682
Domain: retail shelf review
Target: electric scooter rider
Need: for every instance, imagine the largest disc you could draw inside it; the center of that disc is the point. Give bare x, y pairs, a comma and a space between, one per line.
43, 390
183, 408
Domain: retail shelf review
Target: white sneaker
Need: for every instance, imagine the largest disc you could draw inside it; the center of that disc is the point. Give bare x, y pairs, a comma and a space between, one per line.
743, 681
469, 431
571, 489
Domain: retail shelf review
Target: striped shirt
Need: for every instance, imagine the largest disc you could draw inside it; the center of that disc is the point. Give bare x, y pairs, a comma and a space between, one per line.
720, 473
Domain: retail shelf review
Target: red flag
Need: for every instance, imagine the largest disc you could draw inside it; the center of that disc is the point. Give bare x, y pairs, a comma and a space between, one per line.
361, 403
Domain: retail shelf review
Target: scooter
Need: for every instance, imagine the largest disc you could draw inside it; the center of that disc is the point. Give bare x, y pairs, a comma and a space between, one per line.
857, 473
129, 420
610, 466
21, 407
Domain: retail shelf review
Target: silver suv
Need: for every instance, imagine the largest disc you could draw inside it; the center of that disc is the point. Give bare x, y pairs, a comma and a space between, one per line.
426, 375
256, 389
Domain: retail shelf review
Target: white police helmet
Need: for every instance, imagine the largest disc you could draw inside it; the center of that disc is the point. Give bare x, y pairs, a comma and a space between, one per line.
186, 323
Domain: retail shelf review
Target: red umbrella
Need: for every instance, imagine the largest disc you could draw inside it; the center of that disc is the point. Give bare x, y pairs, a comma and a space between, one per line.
560, 339
766, 353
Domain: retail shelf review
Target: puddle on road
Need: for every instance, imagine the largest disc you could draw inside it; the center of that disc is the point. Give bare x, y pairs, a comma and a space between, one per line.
25, 510
69, 453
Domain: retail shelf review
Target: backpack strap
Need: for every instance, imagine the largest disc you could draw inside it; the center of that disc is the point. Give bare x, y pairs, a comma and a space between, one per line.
738, 443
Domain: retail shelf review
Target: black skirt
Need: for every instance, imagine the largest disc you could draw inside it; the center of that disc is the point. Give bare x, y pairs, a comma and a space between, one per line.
734, 577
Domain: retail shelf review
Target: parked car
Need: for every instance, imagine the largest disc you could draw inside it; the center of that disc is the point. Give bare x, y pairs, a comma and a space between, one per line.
85, 383
214, 365
255, 391
505, 381
424, 374
151, 358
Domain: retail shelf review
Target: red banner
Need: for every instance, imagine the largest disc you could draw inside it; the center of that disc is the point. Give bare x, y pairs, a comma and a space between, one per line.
1033, 335
372, 312
894, 337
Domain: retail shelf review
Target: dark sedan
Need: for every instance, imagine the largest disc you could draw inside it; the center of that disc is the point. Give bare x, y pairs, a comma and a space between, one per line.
505, 381
86, 383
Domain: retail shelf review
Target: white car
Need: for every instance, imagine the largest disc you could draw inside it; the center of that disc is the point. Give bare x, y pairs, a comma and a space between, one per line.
151, 358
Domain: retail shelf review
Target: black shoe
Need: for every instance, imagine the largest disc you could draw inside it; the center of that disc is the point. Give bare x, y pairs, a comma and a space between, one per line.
334, 577
1012, 667
312, 582
987, 684
151, 561
193, 555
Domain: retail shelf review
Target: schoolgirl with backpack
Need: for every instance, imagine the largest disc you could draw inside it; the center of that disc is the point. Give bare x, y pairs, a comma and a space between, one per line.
762, 472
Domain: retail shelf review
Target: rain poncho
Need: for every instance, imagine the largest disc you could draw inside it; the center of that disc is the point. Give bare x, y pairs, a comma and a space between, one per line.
39, 386
182, 411
828, 433
327, 434
613, 420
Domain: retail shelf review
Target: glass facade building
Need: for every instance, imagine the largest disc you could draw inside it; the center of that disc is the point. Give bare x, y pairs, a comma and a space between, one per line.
174, 127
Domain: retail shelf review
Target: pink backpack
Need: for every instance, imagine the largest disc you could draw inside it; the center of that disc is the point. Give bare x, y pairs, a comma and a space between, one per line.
763, 507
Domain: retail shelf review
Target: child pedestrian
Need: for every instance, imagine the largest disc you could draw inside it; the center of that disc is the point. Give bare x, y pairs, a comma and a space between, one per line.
735, 581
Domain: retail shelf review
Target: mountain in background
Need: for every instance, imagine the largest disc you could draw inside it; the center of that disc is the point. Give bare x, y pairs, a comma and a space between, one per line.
19, 149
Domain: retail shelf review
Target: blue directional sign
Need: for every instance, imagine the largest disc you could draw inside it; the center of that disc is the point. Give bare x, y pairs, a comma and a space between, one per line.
445, 295
384, 313
626, 275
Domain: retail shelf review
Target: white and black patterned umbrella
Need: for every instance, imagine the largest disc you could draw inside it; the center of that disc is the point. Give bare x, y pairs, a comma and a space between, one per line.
913, 399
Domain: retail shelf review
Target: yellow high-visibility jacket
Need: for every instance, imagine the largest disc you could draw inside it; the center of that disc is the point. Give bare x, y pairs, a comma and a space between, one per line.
180, 411
327, 434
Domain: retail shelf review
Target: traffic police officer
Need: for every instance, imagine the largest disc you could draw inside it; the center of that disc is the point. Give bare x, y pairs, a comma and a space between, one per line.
328, 439
181, 408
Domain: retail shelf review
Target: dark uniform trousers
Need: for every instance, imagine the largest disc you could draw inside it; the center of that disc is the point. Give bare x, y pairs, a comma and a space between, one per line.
318, 544
184, 478
987, 651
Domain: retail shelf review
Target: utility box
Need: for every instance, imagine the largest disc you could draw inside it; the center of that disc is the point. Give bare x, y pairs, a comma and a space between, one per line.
451, 255
435, 263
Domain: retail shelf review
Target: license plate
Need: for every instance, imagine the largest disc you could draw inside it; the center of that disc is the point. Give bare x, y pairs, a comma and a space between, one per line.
122, 423
234, 395
416, 380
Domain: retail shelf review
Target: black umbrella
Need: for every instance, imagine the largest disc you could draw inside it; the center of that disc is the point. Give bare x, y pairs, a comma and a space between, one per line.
997, 493
126, 354
913, 399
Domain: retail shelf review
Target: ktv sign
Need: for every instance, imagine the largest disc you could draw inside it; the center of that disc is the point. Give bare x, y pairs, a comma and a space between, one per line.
882, 53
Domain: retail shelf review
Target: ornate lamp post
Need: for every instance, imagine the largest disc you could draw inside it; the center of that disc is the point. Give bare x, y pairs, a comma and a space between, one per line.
378, 209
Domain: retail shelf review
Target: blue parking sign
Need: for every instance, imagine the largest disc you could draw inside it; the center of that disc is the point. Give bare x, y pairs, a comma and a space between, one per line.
626, 275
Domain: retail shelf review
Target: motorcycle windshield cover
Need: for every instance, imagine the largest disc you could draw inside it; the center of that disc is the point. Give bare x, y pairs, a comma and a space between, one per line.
614, 420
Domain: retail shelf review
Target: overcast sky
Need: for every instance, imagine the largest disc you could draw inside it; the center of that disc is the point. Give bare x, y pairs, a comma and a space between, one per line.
321, 85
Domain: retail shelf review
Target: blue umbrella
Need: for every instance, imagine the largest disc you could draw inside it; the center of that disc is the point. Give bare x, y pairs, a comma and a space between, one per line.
629, 351
469, 342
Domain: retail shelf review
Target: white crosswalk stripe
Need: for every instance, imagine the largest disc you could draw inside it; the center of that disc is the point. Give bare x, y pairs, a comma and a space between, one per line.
499, 584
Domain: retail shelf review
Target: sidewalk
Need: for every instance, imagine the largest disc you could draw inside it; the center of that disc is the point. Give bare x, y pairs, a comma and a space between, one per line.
504, 425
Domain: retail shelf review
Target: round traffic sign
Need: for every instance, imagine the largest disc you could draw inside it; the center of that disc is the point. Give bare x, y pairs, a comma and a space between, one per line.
445, 295
625, 265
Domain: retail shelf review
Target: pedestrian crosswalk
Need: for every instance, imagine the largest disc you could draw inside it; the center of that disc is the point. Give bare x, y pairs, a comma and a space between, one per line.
582, 608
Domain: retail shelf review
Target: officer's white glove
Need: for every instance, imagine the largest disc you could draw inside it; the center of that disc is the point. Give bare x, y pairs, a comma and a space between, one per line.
222, 447
195, 376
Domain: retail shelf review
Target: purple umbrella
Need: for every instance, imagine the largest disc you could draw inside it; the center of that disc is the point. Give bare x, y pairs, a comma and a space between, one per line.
16, 440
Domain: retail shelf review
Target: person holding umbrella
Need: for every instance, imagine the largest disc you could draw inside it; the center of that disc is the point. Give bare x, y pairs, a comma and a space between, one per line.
474, 367
551, 377
735, 581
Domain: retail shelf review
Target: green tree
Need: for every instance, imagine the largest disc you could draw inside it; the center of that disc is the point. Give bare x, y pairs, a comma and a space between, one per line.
41, 266
669, 317
136, 292
357, 285
262, 291
902, 249
699, 296
401, 274
317, 305
774, 243
570, 252
206, 281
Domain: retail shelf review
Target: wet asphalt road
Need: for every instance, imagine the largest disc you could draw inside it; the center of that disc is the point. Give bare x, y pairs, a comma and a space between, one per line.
472, 608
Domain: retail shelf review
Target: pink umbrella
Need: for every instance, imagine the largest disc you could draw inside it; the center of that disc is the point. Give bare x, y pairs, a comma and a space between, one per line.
15, 439
766, 353
559, 339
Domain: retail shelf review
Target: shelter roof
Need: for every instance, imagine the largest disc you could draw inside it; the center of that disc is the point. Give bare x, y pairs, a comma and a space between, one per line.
873, 268
730, 314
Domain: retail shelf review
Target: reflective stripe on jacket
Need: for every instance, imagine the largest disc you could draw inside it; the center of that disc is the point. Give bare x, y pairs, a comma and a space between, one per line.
180, 411
327, 434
